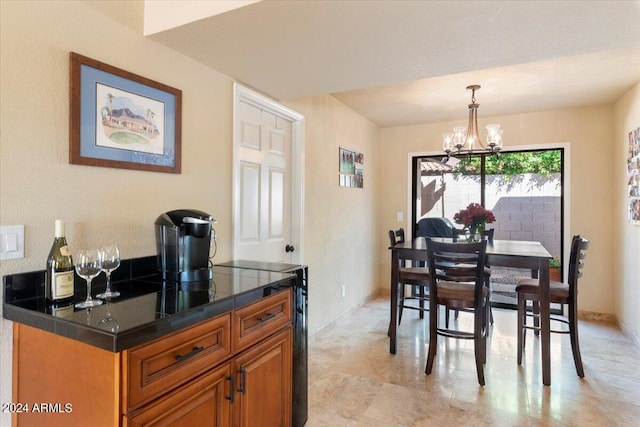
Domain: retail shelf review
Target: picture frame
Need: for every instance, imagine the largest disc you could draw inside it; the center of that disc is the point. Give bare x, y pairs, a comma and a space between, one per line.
633, 176
350, 168
122, 120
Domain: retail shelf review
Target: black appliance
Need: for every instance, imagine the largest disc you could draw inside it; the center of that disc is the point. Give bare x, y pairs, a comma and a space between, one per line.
183, 239
300, 313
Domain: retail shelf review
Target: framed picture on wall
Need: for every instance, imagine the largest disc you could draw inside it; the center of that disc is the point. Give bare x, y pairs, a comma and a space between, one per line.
351, 168
633, 175
122, 120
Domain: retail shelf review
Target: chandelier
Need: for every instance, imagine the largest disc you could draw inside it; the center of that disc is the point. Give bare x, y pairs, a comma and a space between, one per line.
467, 140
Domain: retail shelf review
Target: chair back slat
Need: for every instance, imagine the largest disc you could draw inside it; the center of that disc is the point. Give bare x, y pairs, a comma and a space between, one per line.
457, 262
576, 264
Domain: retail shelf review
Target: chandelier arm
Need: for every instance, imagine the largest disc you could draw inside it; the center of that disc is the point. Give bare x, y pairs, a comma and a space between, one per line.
460, 142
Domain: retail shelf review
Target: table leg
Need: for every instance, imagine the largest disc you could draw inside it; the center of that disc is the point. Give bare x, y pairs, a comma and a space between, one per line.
545, 321
393, 286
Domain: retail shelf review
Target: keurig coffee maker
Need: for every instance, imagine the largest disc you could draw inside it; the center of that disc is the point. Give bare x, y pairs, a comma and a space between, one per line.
183, 239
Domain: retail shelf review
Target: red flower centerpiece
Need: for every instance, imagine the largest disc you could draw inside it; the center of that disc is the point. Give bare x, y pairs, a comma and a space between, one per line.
474, 218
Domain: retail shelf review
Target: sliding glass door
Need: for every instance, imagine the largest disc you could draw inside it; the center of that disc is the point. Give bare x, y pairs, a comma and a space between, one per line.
524, 189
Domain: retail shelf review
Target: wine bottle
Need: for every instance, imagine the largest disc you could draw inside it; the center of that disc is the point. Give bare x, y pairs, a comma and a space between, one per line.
59, 275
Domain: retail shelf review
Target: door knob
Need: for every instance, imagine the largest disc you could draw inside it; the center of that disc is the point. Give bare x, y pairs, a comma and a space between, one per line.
289, 248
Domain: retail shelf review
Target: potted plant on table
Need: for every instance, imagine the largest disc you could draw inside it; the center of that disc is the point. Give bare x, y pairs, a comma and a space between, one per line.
474, 218
555, 270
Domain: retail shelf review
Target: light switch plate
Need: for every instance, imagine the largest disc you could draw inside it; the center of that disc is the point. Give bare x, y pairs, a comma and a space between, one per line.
11, 242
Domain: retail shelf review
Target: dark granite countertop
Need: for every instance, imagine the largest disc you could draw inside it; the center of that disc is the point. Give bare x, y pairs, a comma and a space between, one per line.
148, 307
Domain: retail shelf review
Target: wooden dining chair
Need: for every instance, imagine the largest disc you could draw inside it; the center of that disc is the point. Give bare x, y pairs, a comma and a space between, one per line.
459, 280
416, 277
559, 293
487, 235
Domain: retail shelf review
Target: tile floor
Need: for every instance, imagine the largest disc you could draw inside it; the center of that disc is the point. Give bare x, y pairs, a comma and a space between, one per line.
355, 381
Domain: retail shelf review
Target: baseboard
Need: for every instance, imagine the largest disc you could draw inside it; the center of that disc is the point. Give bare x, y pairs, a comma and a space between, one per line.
635, 341
383, 292
339, 318
597, 317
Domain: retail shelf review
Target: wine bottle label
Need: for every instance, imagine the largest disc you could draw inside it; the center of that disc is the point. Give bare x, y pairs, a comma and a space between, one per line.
62, 285
65, 251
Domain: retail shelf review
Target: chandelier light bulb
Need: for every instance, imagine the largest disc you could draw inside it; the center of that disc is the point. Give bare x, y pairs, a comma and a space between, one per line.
447, 142
494, 137
458, 137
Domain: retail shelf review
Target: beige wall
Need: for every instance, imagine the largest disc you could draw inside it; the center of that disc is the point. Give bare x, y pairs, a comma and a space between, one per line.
37, 182
626, 266
587, 130
345, 229
38, 185
340, 247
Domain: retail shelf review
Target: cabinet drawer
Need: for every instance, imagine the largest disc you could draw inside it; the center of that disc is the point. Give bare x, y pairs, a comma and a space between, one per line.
256, 321
153, 369
205, 401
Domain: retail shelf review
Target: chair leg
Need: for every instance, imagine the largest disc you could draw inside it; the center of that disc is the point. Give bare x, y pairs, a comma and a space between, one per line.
433, 334
446, 317
573, 333
490, 314
485, 330
536, 318
421, 294
489, 300
400, 303
522, 320
478, 345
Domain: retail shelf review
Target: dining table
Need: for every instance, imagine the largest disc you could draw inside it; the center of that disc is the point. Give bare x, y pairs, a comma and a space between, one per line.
530, 255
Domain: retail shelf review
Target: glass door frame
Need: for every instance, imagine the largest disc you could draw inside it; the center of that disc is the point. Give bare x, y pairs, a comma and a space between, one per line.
414, 160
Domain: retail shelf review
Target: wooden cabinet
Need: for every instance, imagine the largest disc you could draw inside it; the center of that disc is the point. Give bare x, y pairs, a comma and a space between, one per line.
234, 369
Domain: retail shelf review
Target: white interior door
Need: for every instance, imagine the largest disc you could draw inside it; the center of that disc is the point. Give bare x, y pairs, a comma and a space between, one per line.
265, 202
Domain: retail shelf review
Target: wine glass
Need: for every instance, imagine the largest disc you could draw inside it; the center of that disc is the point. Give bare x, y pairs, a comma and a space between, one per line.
110, 260
88, 267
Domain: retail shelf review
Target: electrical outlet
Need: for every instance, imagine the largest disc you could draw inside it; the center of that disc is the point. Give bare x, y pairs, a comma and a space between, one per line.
343, 290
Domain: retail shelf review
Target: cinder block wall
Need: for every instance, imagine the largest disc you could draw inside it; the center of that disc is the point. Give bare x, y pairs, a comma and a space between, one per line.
526, 207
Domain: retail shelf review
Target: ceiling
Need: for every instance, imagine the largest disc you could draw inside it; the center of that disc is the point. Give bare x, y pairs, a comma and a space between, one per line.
409, 62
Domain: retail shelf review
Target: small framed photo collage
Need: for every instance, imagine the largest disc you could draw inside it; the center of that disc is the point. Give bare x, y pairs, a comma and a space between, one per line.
351, 169
633, 175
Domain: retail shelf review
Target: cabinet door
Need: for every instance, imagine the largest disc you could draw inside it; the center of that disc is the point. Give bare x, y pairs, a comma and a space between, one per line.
204, 402
263, 383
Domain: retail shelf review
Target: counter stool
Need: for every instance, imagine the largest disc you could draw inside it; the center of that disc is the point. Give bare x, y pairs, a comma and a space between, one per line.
559, 293
416, 277
459, 280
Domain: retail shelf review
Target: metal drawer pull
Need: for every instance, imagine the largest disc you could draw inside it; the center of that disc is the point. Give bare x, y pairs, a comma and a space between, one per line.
232, 387
243, 379
192, 353
267, 317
